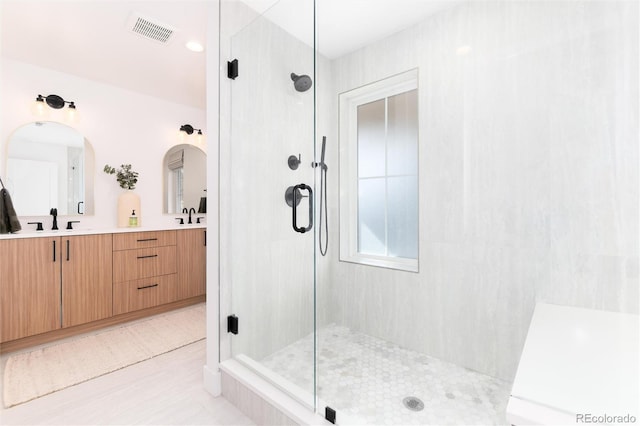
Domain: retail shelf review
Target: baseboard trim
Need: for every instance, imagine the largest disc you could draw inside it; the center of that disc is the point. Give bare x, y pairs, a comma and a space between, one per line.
39, 339
212, 380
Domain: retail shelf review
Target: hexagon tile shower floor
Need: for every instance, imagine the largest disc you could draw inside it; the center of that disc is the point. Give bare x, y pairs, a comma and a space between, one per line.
369, 379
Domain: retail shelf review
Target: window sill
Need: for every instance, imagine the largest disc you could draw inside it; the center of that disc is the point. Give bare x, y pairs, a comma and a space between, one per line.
397, 263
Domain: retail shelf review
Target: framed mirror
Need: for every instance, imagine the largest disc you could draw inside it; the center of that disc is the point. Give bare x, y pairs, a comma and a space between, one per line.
50, 165
185, 179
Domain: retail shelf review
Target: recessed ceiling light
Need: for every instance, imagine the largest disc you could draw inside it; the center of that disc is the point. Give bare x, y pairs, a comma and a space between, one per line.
194, 46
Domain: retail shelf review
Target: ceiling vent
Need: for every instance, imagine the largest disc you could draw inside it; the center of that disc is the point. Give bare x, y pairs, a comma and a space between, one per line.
150, 28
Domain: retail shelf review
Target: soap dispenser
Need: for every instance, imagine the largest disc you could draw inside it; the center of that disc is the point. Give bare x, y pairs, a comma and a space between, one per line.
133, 219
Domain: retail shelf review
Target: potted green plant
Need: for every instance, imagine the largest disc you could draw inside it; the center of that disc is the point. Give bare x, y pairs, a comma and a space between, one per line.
129, 213
126, 177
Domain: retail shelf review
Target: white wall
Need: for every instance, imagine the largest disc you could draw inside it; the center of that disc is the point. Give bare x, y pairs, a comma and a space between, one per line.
211, 372
121, 125
528, 177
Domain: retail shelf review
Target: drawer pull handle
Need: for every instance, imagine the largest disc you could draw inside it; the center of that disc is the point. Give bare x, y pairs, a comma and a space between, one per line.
147, 286
147, 239
146, 257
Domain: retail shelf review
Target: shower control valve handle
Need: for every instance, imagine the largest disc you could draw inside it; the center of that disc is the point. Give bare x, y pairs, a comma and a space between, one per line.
294, 161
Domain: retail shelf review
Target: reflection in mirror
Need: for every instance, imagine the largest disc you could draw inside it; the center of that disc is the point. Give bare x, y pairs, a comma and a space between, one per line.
185, 179
50, 165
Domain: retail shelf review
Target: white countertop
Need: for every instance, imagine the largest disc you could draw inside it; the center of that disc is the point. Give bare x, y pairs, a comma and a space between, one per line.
31, 233
576, 361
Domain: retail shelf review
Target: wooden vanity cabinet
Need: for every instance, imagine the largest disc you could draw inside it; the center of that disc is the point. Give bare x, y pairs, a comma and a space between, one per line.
86, 278
144, 270
51, 286
30, 284
52, 283
192, 262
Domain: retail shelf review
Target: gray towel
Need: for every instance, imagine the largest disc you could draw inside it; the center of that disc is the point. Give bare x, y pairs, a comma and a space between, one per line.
9, 222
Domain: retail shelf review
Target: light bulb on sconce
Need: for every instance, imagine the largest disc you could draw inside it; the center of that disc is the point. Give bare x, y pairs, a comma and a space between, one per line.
182, 136
200, 138
40, 109
72, 113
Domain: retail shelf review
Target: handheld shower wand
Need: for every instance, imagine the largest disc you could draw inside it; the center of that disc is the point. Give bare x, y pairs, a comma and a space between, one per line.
323, 200
324, 145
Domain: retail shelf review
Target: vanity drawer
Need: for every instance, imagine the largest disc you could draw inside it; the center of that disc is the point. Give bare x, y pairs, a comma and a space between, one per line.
137, 240
143, 263
145, 293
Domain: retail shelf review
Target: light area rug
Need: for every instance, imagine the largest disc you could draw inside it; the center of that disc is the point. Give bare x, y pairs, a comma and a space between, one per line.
34, 374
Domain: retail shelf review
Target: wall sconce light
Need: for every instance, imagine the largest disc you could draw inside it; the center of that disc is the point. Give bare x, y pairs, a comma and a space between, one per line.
55, 102
187, 129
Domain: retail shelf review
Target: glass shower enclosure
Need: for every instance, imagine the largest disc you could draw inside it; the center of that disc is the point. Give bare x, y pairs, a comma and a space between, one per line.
454, 134
270, 182
282, 185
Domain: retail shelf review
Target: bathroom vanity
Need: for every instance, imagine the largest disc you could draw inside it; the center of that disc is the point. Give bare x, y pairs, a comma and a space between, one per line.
58, 284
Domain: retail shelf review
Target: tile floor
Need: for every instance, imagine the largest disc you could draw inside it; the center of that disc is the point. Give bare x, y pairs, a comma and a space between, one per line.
367, 379
165, 390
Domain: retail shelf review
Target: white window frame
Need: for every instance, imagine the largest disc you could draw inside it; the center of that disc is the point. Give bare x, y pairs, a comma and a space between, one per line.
348, 104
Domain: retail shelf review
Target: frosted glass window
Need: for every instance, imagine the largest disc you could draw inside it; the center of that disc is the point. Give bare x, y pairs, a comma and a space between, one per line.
379, 173
371, 216
402, 133
371, 139
178, 185
402, 216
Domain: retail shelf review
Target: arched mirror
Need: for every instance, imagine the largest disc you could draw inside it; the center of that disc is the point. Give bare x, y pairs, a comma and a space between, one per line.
185, 179
50, 165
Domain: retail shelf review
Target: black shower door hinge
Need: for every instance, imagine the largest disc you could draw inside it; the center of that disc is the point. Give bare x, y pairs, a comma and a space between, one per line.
330, 415
232, 324
232, 69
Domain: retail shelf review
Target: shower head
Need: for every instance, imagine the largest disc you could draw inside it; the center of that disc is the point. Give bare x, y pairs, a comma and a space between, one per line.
302, 83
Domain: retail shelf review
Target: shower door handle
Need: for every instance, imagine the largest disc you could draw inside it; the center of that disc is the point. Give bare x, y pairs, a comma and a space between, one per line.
294, 206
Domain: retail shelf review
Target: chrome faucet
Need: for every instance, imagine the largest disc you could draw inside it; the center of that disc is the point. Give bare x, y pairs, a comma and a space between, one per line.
194, 212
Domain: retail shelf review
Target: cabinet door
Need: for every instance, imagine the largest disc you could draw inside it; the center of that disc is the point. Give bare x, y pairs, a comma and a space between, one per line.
192, 263
29, 287
86, 278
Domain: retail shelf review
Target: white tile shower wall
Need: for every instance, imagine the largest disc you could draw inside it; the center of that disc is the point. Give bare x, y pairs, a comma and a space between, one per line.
528, 177
267, 266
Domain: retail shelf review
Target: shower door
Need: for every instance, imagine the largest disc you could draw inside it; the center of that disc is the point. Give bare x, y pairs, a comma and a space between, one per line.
267, 193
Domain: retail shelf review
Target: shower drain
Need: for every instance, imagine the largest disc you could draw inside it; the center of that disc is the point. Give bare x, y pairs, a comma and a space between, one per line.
413, 403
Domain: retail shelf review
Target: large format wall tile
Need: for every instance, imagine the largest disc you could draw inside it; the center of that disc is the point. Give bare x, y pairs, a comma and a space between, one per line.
528, 176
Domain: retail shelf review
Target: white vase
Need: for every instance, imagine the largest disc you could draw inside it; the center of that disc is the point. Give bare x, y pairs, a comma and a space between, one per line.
128, 202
